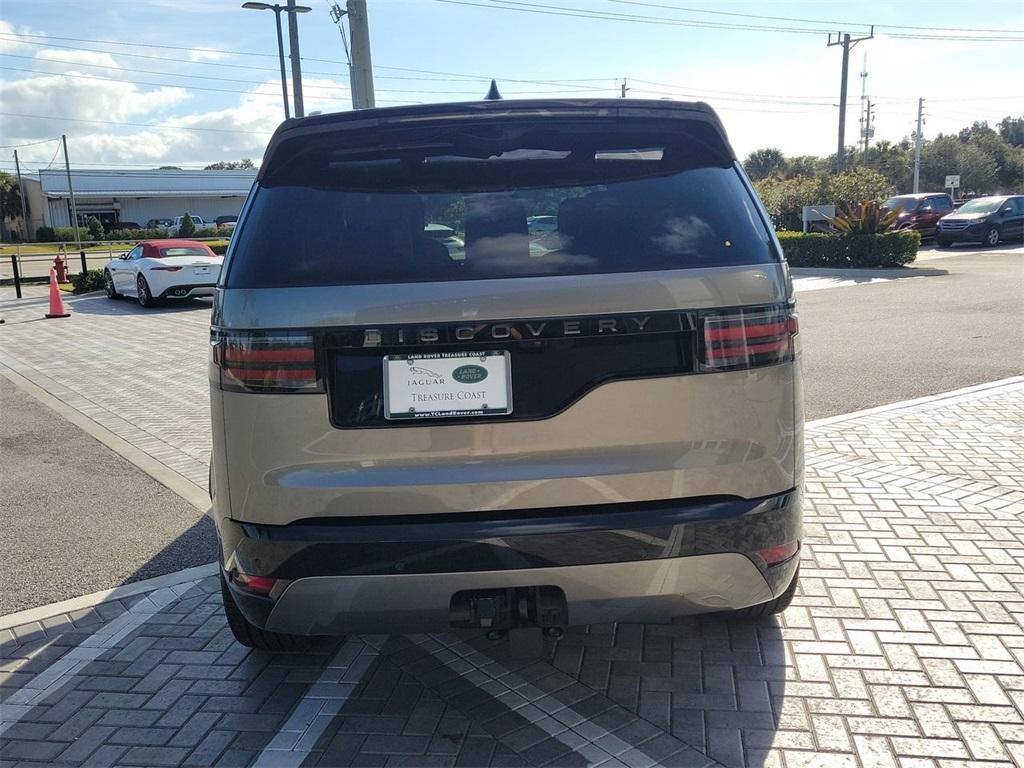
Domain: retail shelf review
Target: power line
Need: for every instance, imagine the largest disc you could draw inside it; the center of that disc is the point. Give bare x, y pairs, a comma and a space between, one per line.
826, 22
247, 82
485, 78
27, 144
589, 13
157, 126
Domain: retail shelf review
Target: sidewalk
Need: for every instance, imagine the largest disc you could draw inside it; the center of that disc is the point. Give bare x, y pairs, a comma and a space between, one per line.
904, 647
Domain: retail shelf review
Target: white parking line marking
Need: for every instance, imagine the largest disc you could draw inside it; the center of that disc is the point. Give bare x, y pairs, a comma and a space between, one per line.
322, 701
536, 707
55, 676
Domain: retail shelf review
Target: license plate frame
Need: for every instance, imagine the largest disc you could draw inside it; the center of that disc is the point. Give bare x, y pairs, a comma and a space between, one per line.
398, 401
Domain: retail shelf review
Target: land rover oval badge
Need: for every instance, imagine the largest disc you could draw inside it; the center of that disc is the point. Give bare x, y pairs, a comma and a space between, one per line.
469, 374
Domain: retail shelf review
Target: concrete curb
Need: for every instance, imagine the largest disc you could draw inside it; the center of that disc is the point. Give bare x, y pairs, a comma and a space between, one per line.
916, 401
41, 612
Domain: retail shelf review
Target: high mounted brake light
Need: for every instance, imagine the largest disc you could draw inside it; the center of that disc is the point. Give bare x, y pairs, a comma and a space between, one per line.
265, 363
748, 337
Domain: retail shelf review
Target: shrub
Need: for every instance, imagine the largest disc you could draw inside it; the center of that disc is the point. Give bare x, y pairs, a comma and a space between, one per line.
67, 234
137, 234
866, 219
206, 232
84, 282
95, 227
889, 249
46, 235
188, 227
219, 248
853, 187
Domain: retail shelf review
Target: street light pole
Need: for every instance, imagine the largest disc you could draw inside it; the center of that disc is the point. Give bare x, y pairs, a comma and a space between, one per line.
280, 55
293, 32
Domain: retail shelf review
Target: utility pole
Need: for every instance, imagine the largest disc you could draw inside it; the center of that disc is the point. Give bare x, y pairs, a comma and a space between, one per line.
863, 95
293, 48
917, 146
624, 88
867, 127
74, 210
847, 42
361, 70
21, 189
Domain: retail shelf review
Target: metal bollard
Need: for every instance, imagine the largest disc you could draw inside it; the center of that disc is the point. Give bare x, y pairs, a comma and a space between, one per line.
17, 276
85, 267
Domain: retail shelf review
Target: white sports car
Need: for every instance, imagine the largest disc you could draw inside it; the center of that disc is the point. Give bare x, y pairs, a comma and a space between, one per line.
163, 269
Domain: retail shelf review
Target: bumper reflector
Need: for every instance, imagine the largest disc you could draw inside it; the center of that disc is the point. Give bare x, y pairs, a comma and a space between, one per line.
781, 553
261, 585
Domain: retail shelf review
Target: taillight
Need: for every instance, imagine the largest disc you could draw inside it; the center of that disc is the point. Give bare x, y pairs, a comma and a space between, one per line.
748, 337
164, 269
266, 363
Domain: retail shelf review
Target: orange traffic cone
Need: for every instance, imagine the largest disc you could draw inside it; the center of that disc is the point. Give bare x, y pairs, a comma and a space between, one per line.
57, 308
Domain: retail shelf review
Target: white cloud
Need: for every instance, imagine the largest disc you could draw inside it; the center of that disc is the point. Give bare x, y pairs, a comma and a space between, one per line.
200, 54
10, 45
92, 58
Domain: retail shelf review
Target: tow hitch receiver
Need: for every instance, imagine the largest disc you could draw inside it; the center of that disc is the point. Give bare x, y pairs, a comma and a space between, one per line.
504, 609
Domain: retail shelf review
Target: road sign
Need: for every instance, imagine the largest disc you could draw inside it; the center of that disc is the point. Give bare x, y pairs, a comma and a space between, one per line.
953, 182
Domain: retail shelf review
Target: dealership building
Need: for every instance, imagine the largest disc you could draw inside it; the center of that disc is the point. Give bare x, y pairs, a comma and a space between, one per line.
135, 196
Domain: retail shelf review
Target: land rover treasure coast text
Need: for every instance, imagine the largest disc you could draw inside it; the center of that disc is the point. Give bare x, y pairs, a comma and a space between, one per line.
510, 425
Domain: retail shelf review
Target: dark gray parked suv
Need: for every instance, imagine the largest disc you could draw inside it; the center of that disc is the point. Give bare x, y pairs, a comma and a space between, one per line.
985, 220
605, 429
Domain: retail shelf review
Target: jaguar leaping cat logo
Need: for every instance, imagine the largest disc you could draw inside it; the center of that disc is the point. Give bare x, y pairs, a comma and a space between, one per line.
423, 371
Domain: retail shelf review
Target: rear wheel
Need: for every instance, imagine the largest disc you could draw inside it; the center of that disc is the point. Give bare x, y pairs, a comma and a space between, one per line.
145, 297
254, 637
778, 605
108, 285
991, 237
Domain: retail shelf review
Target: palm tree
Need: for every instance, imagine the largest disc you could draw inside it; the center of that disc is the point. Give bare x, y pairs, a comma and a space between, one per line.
764, 163
10, 203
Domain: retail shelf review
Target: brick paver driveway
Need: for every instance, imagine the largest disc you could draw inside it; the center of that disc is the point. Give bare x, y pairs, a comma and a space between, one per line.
904, 646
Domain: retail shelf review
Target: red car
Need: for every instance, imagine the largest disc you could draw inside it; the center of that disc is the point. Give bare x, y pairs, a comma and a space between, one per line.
920, 212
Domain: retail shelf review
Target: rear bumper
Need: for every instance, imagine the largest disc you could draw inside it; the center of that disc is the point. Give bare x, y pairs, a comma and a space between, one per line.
187, 291
615, 562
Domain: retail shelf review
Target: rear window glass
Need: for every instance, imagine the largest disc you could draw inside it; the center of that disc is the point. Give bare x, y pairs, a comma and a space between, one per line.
512, 210
184, 251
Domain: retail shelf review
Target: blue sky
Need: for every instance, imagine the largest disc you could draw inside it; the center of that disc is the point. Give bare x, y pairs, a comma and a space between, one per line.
184, 105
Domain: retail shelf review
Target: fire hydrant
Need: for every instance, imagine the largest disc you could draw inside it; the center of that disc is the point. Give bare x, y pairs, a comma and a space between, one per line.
60, 265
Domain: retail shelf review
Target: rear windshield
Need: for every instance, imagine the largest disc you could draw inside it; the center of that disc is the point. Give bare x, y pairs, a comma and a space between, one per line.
518, 207
184, 251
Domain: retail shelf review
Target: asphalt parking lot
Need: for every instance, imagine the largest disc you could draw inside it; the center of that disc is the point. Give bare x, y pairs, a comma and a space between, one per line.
904, 646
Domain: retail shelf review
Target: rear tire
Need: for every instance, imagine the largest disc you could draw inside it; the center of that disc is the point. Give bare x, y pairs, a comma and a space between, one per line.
146, 299
778, 605
108, 285
252, 636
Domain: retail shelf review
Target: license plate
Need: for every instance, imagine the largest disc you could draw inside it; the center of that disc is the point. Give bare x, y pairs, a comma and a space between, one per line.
447, 384
201, 270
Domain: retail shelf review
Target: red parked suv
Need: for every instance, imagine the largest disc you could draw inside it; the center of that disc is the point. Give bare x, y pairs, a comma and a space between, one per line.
921, 212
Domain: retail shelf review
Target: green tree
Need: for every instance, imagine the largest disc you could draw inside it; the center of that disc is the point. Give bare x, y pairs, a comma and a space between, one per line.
784, 199
804, 165
763, 163
1012, 130
856, 186
10, 203
947, 155
188, 227
895, 161
231, 165
95, 227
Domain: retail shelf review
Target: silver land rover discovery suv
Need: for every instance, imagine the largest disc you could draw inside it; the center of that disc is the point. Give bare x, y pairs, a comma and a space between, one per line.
597, 423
